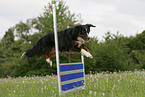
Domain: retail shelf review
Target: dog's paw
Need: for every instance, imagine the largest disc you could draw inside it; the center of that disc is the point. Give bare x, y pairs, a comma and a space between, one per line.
49, 61
87, 54
91, 57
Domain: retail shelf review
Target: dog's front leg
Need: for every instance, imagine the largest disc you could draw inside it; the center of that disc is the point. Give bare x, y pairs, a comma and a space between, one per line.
85, 51
49, 61
87, 54
49, 55
85, 48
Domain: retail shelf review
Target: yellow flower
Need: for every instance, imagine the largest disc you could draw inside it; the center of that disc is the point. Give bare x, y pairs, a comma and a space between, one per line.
143, 82
131, 81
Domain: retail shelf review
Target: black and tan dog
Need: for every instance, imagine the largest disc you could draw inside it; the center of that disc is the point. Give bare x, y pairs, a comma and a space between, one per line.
70, 40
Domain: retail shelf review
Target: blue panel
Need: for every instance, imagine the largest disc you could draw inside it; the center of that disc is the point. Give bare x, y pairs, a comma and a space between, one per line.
70, 67
72, 85
71, 76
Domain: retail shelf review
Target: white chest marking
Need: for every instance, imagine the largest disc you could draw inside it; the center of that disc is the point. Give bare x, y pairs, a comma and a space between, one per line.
80, 41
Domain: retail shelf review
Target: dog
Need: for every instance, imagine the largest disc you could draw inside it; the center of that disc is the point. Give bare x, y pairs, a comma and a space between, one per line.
69, 40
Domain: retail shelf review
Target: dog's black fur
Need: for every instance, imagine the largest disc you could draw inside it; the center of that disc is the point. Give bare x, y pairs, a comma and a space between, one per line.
66, 38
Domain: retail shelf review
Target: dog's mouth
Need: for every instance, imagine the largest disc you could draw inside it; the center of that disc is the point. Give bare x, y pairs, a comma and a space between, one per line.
82, 40
87, 41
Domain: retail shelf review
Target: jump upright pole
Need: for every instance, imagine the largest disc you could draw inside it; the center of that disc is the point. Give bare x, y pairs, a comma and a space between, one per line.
56, 45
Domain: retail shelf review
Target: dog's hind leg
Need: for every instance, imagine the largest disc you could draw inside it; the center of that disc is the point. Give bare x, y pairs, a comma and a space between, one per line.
49, 61
49, 55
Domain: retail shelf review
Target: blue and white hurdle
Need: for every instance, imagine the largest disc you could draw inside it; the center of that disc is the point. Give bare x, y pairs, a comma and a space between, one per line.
71, 76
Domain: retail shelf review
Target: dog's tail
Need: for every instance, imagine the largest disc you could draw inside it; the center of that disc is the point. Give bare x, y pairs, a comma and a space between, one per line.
34, 51
23, 55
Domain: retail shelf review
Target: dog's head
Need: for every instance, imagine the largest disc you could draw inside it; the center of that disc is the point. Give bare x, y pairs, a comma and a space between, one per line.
81, 32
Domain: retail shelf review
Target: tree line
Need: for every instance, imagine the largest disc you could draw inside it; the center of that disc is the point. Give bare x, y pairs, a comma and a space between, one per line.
114, 53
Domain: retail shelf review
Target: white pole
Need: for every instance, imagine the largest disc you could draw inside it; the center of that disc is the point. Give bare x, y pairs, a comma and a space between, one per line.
56, 45
82, 57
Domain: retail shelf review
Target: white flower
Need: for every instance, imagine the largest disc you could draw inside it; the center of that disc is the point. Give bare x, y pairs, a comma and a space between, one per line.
103, 94
42, 90
90, 92
95, 93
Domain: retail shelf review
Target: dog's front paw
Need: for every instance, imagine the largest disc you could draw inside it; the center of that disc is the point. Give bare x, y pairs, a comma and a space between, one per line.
49, 61
91, 57
87, 54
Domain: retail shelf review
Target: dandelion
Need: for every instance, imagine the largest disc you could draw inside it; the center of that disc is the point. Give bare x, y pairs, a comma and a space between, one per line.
131, 82
143, 82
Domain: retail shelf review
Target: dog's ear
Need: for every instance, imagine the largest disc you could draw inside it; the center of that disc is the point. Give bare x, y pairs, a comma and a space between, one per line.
90, 25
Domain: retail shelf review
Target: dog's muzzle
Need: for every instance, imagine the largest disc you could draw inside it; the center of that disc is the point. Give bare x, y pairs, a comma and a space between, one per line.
87, 40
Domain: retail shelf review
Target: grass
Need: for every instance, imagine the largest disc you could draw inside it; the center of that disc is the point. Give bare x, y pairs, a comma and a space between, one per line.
105, 84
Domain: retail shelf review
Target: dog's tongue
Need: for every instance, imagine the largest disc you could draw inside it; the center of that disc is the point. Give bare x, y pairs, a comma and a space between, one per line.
87, 40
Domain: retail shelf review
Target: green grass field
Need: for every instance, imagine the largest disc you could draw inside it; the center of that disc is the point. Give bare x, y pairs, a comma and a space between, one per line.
123, 84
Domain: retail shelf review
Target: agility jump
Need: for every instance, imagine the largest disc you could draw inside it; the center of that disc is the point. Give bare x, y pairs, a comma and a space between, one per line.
70, 75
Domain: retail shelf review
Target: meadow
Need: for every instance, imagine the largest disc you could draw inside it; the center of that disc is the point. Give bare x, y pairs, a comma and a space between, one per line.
105, 84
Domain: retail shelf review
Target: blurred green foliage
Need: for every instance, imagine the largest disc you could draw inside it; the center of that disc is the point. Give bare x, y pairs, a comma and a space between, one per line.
114, 53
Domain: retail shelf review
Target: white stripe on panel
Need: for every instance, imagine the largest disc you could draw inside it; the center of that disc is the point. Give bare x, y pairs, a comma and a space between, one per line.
72, 81
71, 72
